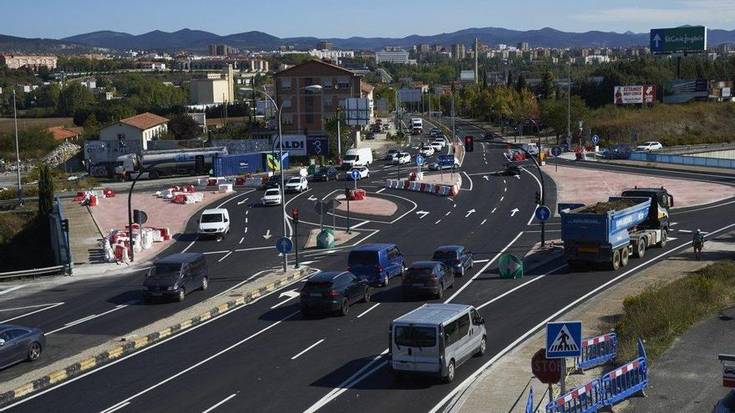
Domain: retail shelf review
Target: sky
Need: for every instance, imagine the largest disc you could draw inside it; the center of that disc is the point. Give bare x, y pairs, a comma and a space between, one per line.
346, 18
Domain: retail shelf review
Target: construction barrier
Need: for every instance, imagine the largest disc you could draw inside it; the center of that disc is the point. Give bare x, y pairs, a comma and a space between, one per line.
357, 194
108, 193
598, 350
418, 186
627, 380
587, 398
529, 401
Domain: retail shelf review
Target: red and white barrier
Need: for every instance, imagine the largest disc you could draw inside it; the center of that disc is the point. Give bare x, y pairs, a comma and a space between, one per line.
418, 186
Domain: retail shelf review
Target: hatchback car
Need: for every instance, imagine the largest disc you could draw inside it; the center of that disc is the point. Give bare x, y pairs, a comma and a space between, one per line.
426, 151
333, 292
326, 173
297, 184
271, 197
176, 275
19, 344
650, 146
362, 173
402, 158
390, 154
456, 257
427, 277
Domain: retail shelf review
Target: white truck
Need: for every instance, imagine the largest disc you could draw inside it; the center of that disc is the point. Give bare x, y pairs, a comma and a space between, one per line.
357, 157
417, 126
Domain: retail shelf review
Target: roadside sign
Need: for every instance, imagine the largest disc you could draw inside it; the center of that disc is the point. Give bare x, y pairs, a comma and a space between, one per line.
510, 266
284, 245
595, 139
547, 370
556, 151
419, 160
563, 339
355, 174
139, 217
543, 213
689, 39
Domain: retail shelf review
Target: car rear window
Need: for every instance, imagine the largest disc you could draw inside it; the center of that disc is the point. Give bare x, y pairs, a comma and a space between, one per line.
363, 258
412, 336
212, 218
418, 273
317, 286
445, 255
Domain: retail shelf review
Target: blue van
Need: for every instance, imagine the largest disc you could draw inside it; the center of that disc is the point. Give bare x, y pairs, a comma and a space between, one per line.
376, 263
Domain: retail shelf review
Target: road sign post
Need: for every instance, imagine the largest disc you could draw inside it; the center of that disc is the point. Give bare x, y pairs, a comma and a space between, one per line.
563, 339
295, 216
419, 162
543, 213
284, 245
546, 370
356, 175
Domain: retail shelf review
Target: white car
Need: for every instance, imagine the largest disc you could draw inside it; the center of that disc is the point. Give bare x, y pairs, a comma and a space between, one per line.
297, 184
402, 158
214, 222
271, 197
362, 172
426, 151
436, 146
439, 141
650, 146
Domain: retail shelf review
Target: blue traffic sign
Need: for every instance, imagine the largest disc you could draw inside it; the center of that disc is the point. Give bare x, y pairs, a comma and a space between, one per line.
595, 139
284, 245
419, 160
355, 174
556, 151
563, 339
543, 213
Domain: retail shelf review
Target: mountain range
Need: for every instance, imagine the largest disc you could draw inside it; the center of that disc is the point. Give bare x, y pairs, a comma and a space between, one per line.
198, 40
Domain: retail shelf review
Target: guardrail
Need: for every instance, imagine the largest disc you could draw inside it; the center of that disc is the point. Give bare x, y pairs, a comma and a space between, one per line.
682, 160
34, 272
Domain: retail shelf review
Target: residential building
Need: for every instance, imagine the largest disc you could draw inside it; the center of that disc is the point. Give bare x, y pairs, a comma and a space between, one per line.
596, 58
215, 89
523, 46
14, 62
333, 55
324, 45
392, 55
458, 51
259, 66
61, 133
221, 50
135, 132
305, 112
424, 48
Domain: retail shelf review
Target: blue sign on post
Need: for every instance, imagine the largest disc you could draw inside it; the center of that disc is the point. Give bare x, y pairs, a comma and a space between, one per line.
355, 174
284, 245
595, 139
543, 213
563, 339
556, 151
419, 160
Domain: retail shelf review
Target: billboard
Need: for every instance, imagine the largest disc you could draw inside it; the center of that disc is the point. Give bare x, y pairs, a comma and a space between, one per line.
690, 39
302, 145
635, 94
357, 111
683, 91
467, 75
406, 95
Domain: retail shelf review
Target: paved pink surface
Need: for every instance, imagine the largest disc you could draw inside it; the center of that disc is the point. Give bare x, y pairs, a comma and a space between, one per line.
588, 186
371, 205
112, 213
446, 178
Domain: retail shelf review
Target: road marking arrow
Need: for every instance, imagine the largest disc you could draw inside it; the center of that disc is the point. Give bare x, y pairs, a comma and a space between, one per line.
422, 214
518, 176
513, 211
267, 234
243, 201
290, 294
470, 212
312, 198
485, 177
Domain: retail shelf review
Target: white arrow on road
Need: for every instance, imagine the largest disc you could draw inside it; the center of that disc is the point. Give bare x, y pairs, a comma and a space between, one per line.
267, 234
470, 212
513, 211
243, 201
485, 177
518, 177
312, 198
291, 294
422, 214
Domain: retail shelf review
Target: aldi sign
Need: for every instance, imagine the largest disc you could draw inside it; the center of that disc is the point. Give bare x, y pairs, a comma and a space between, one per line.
690, 39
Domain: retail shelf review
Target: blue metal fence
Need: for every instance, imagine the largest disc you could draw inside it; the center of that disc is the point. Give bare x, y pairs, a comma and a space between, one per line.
683, 160
587, 398
598, 350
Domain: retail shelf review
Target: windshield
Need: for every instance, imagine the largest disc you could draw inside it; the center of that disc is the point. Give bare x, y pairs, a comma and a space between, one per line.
272, 192
350, 157
209, 218
164, 271
363, 258
294, 180
445, 255
411, 336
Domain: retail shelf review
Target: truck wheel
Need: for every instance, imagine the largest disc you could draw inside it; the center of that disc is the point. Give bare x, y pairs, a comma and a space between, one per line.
624, 253
616, 260
664, 238
153, 174
640, 248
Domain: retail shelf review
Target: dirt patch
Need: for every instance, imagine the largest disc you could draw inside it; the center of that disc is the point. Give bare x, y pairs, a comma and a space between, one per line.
604, 207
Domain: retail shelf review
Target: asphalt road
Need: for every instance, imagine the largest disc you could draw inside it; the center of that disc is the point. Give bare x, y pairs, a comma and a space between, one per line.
266, 357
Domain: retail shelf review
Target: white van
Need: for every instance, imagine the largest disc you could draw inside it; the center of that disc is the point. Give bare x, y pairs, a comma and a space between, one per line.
358, 157
214, 222
435, 339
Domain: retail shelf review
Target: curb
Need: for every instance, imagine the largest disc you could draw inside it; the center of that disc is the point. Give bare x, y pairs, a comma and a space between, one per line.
130, 347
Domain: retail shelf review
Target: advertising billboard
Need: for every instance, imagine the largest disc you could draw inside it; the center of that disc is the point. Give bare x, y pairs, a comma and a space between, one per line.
406, 95
467, 75
357, 111
690, 39
683, 91
635, 94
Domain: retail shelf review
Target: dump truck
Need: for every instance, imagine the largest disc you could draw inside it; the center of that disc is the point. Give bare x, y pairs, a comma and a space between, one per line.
608, 233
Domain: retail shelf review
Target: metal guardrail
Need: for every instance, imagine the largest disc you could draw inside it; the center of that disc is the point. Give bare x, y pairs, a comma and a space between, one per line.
58, 269
683, 160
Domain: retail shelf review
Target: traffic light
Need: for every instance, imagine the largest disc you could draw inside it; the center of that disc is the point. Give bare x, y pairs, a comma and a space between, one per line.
538, 198
469, 143
295, 214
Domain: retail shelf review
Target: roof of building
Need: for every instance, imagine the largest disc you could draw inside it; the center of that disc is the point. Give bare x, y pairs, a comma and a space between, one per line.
61, 133
144, 121
312, 62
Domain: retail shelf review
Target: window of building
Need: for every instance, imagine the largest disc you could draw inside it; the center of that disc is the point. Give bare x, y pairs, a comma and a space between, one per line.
286, 103
286, 83
309, 117
327, 82
287, 118
343, 83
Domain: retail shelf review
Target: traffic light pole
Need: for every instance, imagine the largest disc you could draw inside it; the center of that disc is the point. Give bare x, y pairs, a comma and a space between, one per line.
296, 239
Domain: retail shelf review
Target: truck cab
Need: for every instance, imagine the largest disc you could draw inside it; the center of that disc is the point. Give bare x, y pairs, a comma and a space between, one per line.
661, 202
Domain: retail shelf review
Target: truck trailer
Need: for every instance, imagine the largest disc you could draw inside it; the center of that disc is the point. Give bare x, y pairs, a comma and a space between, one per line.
155, 164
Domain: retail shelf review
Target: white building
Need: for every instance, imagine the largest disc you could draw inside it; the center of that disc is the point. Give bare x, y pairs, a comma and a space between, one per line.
333, 55
214, 89
136, 131
596, 58
392, 55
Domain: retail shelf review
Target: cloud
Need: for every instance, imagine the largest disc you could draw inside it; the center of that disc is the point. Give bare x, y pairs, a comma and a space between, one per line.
712, 13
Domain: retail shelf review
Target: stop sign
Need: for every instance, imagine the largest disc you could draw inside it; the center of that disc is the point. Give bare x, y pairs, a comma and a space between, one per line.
546, 370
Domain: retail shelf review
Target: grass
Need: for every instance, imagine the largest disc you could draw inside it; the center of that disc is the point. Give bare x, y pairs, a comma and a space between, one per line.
24, 241
663, 312
7, 125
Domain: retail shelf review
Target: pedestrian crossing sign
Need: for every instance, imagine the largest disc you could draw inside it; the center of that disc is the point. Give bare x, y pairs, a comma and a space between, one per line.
564, 339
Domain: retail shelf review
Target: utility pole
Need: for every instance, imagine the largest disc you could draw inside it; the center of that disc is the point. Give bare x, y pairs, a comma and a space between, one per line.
569, 104
477, 53
339, 138
17, 151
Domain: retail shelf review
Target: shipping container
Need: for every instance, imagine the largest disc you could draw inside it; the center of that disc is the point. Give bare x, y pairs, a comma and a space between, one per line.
234, 165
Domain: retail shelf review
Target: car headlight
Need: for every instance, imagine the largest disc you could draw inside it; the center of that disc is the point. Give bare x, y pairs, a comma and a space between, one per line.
173, 287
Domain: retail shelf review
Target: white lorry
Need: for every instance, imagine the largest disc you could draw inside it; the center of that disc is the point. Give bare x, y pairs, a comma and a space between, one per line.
357, 157
417, 126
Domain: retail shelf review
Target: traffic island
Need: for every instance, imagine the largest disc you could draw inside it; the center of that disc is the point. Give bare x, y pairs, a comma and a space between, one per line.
370, 205
340, 237
90, 359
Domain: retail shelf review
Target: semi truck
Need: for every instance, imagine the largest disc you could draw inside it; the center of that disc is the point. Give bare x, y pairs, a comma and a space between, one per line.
608, 233
161, 163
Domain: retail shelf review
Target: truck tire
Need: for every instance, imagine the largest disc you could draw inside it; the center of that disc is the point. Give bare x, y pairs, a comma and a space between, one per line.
624, 255
616, 260
640, 248
664, 238
153, 174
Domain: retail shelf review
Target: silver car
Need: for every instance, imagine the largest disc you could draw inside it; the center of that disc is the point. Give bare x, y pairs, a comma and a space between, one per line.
19, 343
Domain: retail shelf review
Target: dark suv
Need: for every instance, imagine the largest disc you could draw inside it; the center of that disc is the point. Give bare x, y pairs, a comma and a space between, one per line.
456, 257
326, 173
176, 275
427, 277
332, 292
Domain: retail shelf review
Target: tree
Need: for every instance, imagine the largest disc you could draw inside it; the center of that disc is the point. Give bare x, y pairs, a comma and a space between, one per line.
547, 84
74, 97
48, 96
521, 83
45, 190
183, 127
91, 126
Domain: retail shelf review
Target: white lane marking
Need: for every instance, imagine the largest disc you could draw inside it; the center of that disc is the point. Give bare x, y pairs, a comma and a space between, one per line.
191, 244
468, 177
437, 221
225, 257
193, 366
368, 310
85, 319
312, 198
216, 405
380, 190
502, 198
115, 407
308, 262
360, 224
674, 223
241, 240
291, 294
493, 211
484, 267
234, 197
685, 231
476, 374
11, 289
250, 249
514, 211
485, 177
307, 349
243, 201
267, 234
540, 191
481, 261
48, 307
247, 212
447, 214
483, 221
518, 287
518, 177
504, 182
505, 189
246, 220
216, 252
470, 212
422, 214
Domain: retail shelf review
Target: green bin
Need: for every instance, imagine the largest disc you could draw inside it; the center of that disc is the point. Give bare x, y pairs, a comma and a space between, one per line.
325, 239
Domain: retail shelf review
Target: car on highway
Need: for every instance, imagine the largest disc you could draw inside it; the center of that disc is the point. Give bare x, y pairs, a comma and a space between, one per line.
297, 184
435, 339
376, 263
326, 173
427, 278
362, 173
439, 141
214, 222
427, 151
444, 162
435, 145
401, 158
332, 292
271, 197
176, 275
456, 257
18, 343
391, 153
650, 146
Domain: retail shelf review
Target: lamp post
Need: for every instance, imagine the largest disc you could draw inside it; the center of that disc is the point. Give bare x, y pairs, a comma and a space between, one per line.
17, 152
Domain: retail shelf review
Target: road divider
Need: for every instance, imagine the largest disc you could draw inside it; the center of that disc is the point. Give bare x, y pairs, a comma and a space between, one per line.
418, 186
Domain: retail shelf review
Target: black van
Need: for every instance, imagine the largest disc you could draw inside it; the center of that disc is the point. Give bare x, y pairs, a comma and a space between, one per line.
176, 275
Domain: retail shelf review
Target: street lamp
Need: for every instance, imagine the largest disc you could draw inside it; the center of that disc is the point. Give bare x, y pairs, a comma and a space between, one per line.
280, 163
17, 151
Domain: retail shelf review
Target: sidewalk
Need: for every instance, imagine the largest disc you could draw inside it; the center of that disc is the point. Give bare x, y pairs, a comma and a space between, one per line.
503, 387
